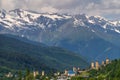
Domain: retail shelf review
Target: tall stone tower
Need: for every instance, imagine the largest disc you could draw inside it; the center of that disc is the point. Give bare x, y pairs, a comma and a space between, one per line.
74, 69
43, 73
103, 63
66, 72
92, 65
97, 66
107, 61
35, 73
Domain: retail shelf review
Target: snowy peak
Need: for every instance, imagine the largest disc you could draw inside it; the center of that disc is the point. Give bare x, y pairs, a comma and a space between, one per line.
116, 23
18, 12
94, 21
81, 17
90, 19
2, 13
24, 13
24, 19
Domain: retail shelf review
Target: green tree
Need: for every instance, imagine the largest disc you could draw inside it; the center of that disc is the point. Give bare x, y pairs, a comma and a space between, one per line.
29, 75
20, 75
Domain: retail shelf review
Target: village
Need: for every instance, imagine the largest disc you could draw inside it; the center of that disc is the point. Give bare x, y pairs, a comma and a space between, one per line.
67, 74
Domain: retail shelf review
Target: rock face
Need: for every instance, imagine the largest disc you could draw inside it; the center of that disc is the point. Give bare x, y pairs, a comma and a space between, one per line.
91, 36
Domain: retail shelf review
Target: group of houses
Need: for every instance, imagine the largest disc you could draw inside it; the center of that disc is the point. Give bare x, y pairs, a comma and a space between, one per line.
94, 65
35, 73
73, 72
70, 73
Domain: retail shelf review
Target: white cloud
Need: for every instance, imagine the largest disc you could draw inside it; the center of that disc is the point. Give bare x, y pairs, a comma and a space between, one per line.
8, 4
49, 9
90, 7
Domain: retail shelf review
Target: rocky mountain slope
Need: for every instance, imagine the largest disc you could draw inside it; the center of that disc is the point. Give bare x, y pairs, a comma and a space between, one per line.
92, 36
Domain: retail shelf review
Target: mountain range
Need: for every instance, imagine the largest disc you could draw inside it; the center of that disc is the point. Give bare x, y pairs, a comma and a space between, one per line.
93, 37
17, 54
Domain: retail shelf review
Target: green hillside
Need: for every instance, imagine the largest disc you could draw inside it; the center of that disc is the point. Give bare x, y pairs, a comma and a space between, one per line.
108, 72
17, 54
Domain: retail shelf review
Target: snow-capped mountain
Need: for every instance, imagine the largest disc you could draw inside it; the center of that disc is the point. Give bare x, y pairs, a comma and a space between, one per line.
19, 18
74, 32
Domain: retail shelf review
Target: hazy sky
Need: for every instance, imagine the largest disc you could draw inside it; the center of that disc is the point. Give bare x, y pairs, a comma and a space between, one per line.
106, 8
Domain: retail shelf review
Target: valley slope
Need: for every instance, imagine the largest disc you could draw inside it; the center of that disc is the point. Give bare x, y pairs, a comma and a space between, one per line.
19, 55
